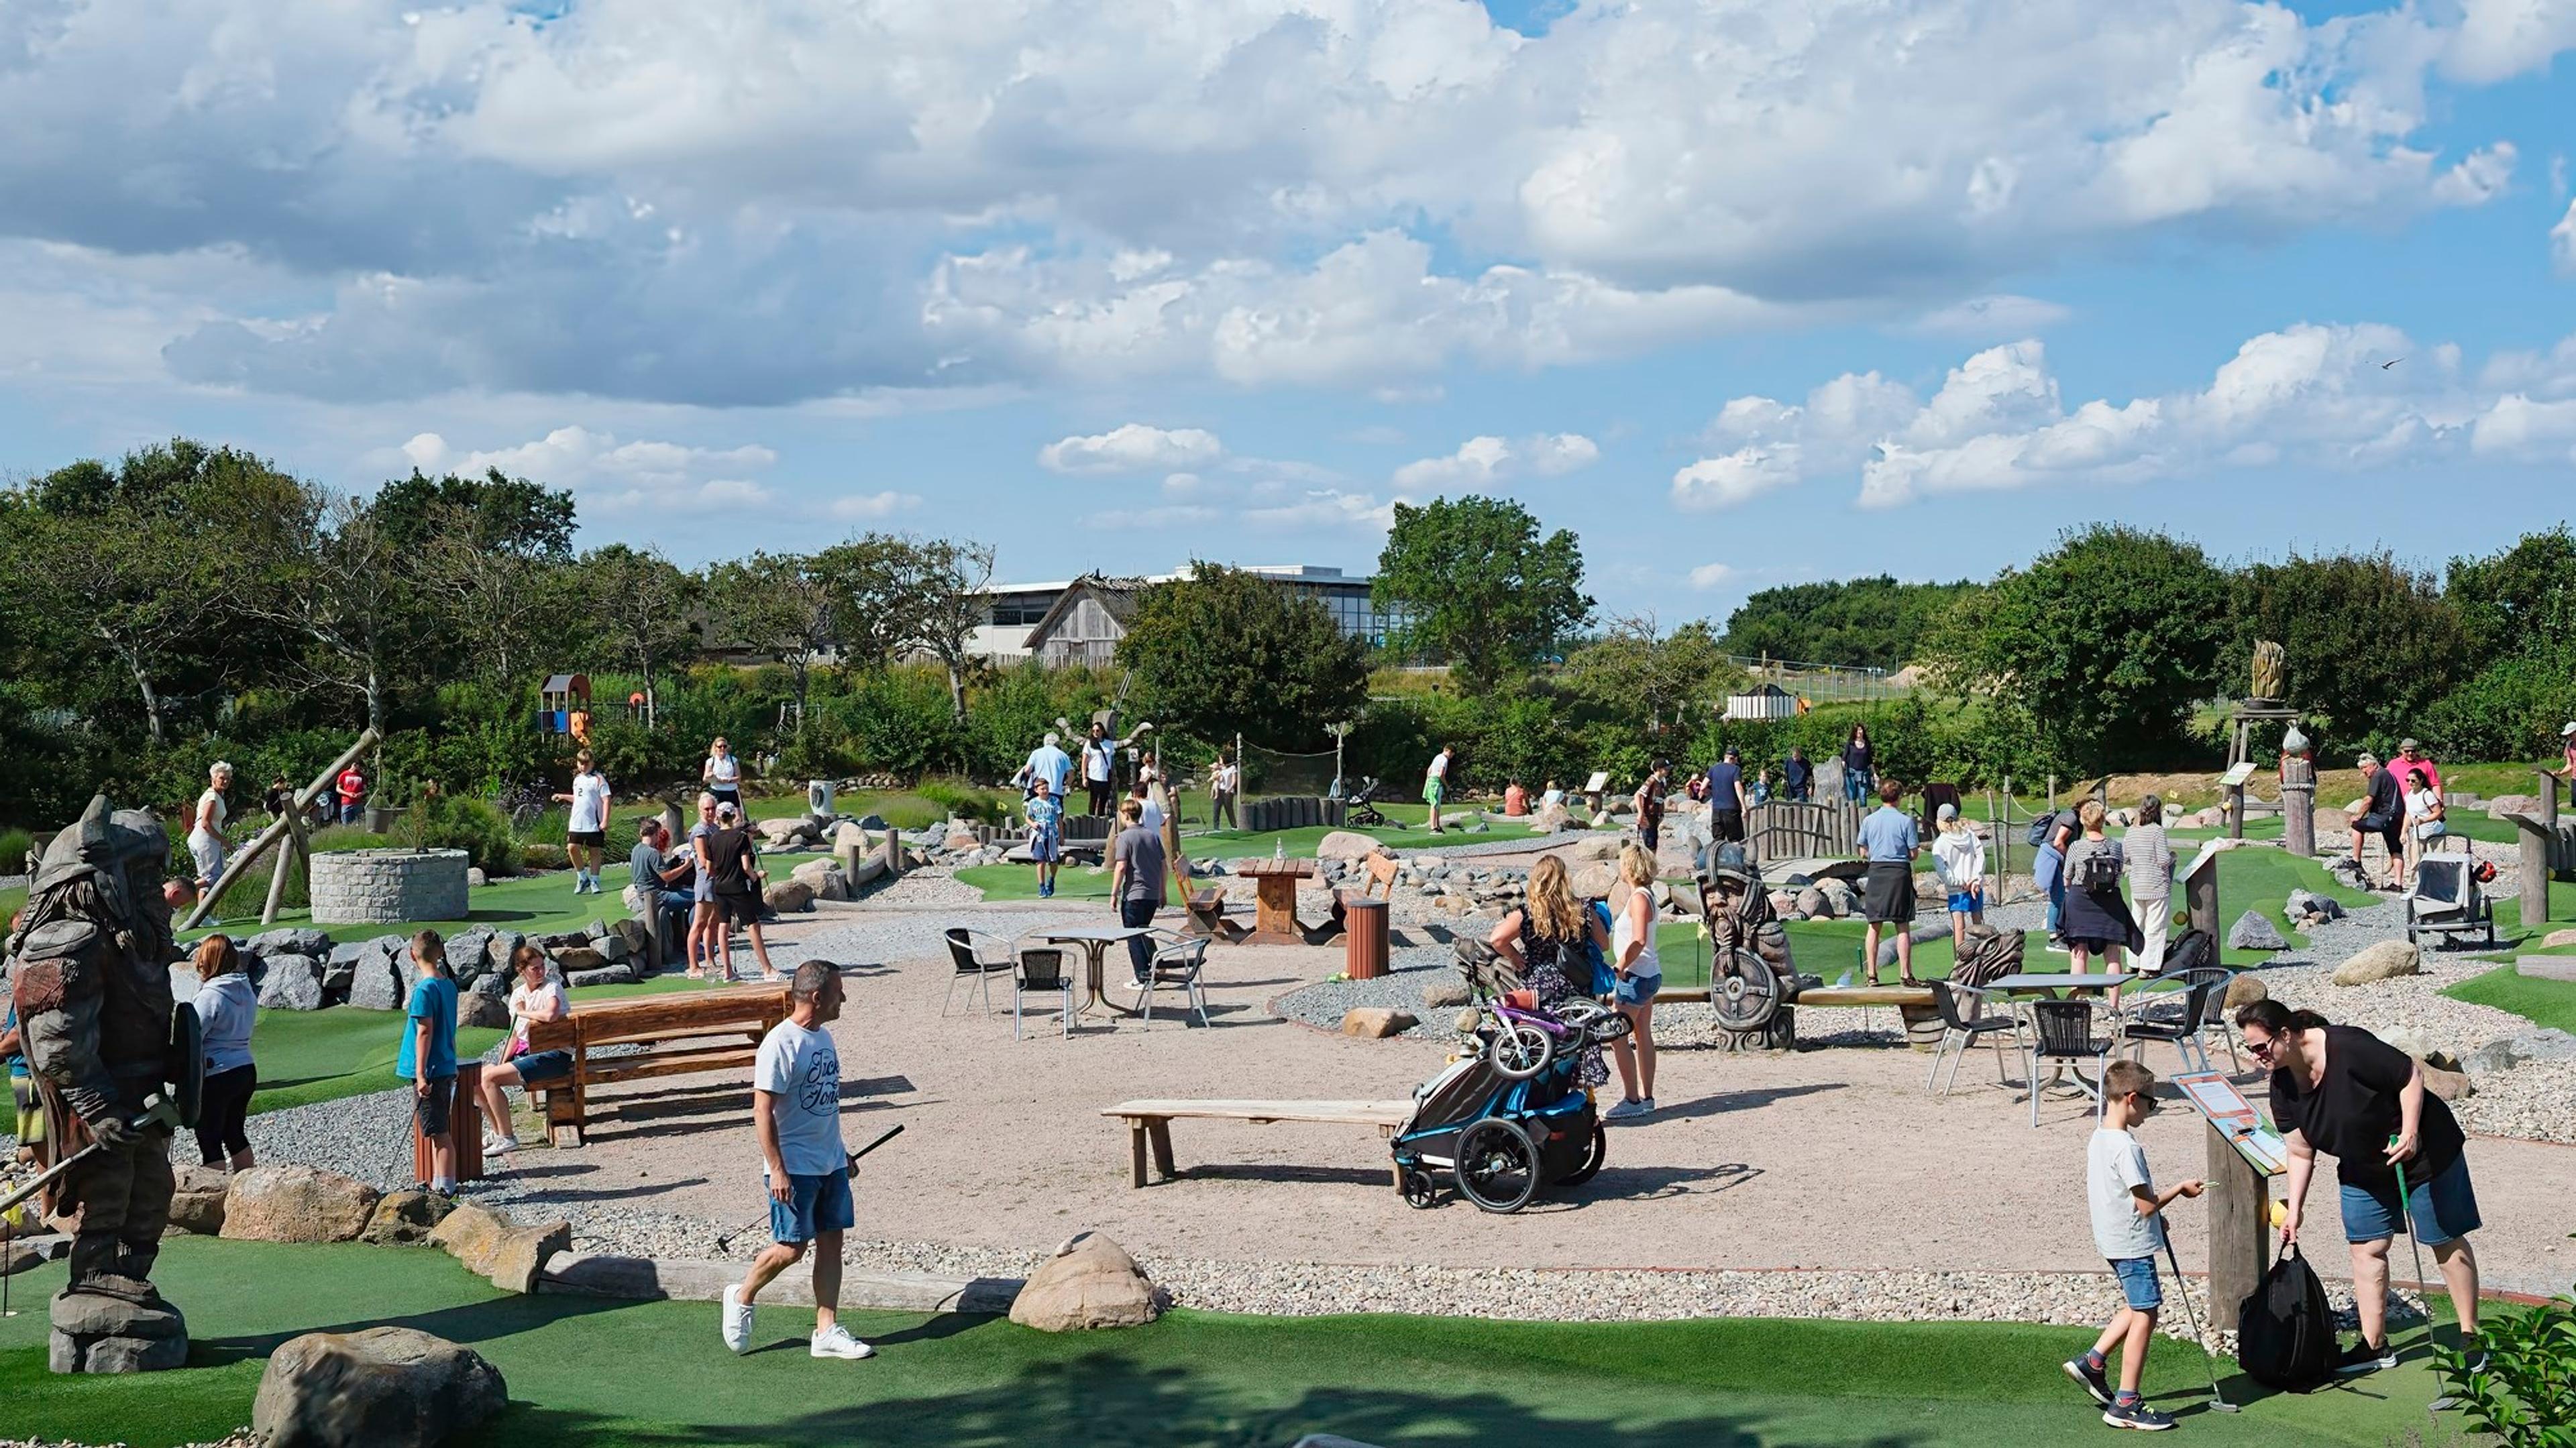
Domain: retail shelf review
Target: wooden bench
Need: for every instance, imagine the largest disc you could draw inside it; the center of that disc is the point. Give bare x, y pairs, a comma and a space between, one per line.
1203, 904
679, 1034
1149, 1123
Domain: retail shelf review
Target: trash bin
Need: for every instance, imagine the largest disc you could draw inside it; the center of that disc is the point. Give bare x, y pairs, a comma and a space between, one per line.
1364, 939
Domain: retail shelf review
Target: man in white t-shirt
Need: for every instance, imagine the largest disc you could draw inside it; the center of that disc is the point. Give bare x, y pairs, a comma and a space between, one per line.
796, 1109
586, 835
1435, 783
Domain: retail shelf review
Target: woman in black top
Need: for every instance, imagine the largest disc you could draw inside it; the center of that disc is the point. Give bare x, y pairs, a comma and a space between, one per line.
1858, 775
732, 870
2348, 1093
1545, 939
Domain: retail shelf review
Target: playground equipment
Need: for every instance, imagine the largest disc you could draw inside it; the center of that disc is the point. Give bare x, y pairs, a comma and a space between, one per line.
288, 827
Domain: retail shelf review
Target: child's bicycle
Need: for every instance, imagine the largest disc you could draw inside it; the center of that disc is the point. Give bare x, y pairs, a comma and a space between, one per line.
1521, 1038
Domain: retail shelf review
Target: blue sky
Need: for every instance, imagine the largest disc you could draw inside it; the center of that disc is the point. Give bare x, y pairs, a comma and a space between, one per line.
1742, 294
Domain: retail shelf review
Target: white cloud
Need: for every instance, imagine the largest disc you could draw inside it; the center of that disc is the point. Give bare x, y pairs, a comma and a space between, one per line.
1482, 461
2562, 243
874, 505
1710, 575
2345, 396
827, 200
1999, 315
609, 475
1132, 448
2479, 179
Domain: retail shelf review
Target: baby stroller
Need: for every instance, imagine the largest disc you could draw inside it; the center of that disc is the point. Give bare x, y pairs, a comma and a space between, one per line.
2446, 898
1358, 803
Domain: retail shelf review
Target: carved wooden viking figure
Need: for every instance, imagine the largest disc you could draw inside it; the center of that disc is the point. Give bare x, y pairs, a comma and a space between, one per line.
89, 971
2271, 672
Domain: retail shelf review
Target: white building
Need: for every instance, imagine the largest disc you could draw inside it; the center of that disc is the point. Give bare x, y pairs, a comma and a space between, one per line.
1080, 620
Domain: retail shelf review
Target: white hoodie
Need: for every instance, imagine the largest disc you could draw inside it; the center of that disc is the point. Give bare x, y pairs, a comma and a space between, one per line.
1961, 857
227, 1007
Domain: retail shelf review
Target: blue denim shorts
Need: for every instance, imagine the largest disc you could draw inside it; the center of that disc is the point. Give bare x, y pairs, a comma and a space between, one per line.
1636, 990
814, 1204
1963, 902
538, 1066
2443, 1208
2138, 1282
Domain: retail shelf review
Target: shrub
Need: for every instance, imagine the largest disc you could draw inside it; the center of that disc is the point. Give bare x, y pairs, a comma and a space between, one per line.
964, 801
14, 845
543, 857
2526, 1396
475, 826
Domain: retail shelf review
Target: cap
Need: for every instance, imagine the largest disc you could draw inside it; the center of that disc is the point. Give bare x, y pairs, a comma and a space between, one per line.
2410, 746
2367, 759
2568, 728
1948, 812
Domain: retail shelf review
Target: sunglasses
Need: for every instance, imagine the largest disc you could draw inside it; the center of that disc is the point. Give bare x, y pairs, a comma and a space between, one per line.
2262, 1050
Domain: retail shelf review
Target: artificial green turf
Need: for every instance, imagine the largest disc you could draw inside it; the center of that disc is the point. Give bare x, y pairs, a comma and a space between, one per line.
1081, 882
2542, 1002
586, 1371
310, 1056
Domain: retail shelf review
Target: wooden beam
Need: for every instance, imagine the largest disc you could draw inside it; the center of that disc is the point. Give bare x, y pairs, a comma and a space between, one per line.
2239, 1235
304, 798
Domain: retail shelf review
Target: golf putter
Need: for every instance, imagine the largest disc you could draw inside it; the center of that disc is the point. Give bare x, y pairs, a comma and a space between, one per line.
725, 1242
2406, 1216
2208, 1355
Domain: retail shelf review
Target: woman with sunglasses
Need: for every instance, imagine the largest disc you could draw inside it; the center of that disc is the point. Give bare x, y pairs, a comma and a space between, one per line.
2346, 1092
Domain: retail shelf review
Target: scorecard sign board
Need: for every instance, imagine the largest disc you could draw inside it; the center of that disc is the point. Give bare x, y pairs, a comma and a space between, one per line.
2224, 1107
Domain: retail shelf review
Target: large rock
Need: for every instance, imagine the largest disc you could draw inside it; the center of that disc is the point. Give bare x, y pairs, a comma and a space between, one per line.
2449, 1085
2513, 804
1443, 995
488, 1244
2558, 938
2503, 1054
1840, 898
1597, 847
575, 959
1348, 846
296, 1204
291, 941
612, 948
385, 1387
1811, 903
487, 1009
2331, 823
1090, 1282
2252, 932
1595, 881
198, 1204
294, 983
2379, 962
2245, 990
605, 975
1377, 1022
95, 1334
779, 834
824, 878
2304, 904
381, 982
848, 836
787, 897
405, 1218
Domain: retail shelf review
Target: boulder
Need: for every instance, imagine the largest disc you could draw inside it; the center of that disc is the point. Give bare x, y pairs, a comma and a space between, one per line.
1348, 846
1595, 881
294, 983
1551, 819
1089, 1283
296, 1204
387, 1387
99, 1334
575, 959
2449, 1085
487, 1009
1597, 847
1446, 994
2546, 967
492, 985
2379, 962
198, 1203
2252, 932
2513, 804
605, 975
1840, 898
475, 879
824, 878
2331, 823
380, 982
490, 1246
788, 897
293, 941
405, 1218
2304, 904
341, 966
2558, 938
612, 948
2506, 1052
1377, 1022
847, 837
2245, 990
780, 833
1811, 903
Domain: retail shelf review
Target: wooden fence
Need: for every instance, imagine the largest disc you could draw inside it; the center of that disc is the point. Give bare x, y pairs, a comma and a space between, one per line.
1783, 829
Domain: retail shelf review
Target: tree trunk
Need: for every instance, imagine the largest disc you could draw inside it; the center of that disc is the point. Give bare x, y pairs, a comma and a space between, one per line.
375, 705
142, 683
956, 691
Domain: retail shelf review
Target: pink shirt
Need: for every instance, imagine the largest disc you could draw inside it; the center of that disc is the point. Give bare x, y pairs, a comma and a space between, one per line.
2404, 768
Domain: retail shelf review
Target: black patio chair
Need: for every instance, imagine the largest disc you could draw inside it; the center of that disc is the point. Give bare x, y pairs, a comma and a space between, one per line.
1959, 1034
1041, 972
980, 956
2182, 1031
2063, 1031
2167, 1007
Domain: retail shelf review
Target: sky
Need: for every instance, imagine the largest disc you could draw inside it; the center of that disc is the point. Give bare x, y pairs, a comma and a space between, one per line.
1743, 293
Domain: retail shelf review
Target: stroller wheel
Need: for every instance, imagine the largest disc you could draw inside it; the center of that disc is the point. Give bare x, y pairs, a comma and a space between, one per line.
1497, 1165
1593, 1156
1420, 1192
1521, 1050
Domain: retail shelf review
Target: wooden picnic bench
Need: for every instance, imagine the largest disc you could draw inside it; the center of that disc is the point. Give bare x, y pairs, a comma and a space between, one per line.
679, 1034
1149, 1123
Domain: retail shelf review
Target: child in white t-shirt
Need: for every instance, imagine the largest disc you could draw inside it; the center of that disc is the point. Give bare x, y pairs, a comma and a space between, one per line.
2128, 1228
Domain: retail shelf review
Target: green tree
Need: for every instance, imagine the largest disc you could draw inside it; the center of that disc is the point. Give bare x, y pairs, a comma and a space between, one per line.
2100, 648
1472, 580
785, 606
1633, 667
494, 513
639, 607
1223, 651
2516, 598
1856, 622
2370, 643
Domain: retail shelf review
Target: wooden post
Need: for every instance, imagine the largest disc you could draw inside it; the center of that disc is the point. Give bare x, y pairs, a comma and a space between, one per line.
2238, 1200
241, 863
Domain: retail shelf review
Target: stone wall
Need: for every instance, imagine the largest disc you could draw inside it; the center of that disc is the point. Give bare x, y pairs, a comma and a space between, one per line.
385, 887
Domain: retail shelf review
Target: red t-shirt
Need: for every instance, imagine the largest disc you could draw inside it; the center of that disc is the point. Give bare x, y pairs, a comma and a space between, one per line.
353, 786
2404, 769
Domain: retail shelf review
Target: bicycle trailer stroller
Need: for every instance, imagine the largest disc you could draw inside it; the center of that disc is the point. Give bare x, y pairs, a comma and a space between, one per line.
1500, 1138
2446, 898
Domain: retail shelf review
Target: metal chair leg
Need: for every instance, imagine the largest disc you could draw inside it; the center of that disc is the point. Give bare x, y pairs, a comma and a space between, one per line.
1938, 1052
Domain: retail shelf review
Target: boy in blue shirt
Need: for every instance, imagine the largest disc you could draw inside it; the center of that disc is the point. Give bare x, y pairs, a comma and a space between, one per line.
428, 1055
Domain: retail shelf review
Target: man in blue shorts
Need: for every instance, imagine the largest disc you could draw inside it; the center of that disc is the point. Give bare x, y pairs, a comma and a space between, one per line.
796, 1107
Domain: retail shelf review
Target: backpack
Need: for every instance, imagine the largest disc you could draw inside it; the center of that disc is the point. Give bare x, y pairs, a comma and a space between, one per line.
2097, 871
2040, 829
2285, 1331
1605, 977
2191, 949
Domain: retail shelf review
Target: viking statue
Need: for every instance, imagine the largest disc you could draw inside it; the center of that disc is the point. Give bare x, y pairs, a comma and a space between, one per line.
2271, 673
89, 970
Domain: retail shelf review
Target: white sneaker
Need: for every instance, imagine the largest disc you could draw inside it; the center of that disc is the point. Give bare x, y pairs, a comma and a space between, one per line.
500, 1145
737, 1320
1646, 1107
835, 1342
1624, 1110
